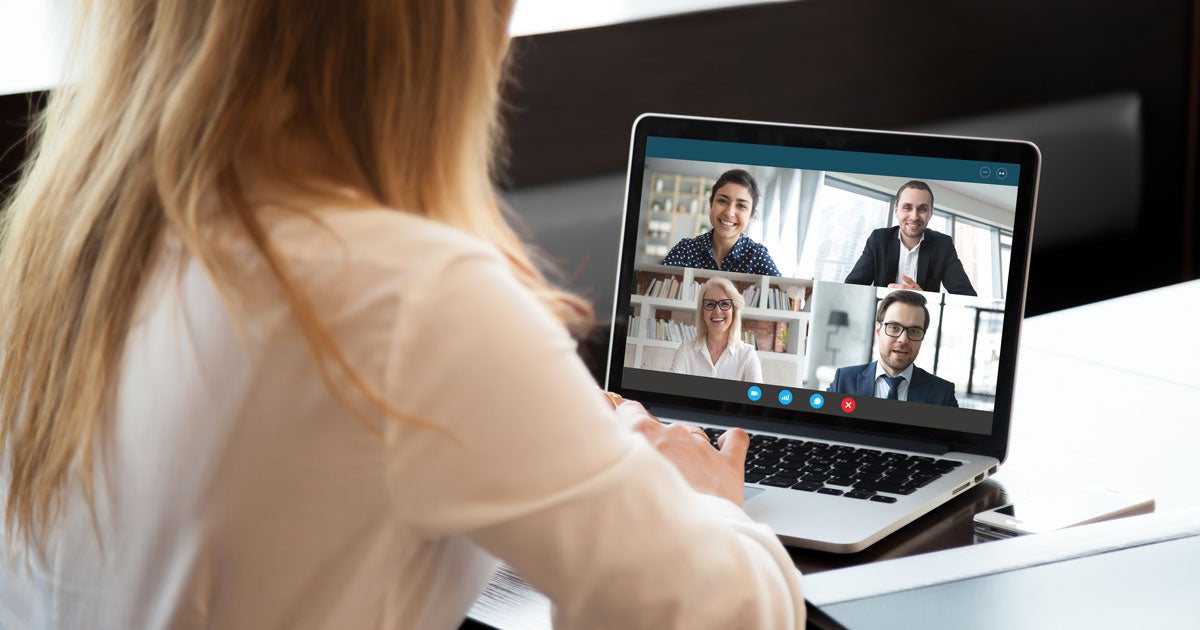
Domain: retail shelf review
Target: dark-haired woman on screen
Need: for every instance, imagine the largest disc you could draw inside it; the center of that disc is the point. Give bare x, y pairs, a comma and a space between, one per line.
732, 204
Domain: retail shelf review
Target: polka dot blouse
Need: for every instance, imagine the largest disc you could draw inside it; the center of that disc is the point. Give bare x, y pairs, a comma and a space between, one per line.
745, 257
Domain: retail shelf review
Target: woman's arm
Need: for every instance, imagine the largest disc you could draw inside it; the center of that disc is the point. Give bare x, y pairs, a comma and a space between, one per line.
542, 477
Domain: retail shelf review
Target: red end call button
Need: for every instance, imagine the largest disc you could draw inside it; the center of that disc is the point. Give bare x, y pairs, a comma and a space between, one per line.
848, 405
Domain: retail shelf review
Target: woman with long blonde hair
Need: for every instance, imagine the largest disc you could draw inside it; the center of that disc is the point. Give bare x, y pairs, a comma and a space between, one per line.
718, 351
272, 356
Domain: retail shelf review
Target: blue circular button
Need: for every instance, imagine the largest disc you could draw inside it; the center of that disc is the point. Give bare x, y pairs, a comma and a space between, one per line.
816, 401
754, 393
785, 397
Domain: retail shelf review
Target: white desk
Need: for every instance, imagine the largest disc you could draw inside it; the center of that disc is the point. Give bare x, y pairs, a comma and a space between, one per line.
1110, 393
1107, 393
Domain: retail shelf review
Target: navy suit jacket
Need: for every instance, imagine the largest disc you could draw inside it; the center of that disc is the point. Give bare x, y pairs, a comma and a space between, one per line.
859, 380
937, 262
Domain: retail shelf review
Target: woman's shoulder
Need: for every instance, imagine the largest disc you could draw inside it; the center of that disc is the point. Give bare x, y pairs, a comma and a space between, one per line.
744, 349
377, 237
753, 245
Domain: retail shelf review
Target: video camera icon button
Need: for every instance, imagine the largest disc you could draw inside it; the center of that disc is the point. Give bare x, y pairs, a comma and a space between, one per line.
848, 405
754, 393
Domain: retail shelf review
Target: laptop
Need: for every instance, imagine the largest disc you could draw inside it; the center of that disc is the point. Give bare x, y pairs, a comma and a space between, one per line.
835, 463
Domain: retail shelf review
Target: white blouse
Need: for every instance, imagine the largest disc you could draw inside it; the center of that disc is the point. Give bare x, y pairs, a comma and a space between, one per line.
738, 362
236, 492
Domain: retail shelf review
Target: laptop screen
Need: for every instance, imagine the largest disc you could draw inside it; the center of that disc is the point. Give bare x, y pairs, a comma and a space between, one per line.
851, 279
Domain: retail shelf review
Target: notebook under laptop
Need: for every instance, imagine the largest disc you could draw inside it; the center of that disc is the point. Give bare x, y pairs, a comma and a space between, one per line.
835, 464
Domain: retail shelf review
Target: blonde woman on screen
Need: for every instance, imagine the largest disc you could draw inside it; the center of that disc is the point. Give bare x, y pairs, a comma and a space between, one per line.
242, 386
718, 350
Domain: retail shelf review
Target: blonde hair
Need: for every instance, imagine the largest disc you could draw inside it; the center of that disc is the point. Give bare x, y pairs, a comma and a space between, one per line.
735, 329
388, 103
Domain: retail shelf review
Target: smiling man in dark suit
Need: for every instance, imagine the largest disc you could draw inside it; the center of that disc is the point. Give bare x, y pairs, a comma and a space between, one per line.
900, 324
909, 255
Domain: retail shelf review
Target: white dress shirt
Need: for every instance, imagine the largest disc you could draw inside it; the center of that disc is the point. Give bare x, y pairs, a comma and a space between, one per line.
882, 388
908, 260
233, 491
738, 362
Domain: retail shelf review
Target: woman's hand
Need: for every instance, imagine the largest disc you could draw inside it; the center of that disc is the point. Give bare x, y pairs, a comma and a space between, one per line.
708, 470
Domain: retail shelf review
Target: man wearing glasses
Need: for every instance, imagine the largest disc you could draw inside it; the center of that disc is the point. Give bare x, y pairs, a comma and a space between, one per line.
900, 325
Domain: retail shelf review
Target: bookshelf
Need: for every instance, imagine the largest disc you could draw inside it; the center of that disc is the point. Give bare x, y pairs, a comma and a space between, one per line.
663, 309
677, 208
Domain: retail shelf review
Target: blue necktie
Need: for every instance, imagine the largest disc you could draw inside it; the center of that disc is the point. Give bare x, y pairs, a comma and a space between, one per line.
893, 386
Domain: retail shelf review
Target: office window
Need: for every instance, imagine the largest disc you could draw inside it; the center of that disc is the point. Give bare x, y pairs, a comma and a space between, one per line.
1005, 255
983, 249
953, 345
974, 243
844, 215
986, 353
939, 222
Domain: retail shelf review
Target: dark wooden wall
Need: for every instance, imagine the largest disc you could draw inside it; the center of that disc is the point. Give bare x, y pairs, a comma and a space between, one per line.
869, 63
886, 64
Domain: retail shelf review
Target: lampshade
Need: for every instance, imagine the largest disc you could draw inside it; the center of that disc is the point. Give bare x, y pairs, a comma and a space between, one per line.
839, 318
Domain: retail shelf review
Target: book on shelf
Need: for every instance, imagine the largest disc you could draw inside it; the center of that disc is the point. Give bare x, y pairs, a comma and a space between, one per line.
659, 287
667, 288
672, 288
672, 331
768, 336
650, 287
750, 295
790, 299
683, 332
797, 297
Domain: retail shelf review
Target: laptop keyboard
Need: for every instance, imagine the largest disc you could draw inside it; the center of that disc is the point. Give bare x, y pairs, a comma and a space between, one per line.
837, 469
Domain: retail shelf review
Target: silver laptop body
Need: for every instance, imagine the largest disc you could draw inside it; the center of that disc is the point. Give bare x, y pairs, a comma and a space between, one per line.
827, 199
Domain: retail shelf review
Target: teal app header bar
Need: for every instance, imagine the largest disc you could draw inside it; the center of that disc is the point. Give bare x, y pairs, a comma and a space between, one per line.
976, 172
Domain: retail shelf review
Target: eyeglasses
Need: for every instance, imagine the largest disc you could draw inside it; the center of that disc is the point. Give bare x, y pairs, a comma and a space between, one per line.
892, 329
711, 305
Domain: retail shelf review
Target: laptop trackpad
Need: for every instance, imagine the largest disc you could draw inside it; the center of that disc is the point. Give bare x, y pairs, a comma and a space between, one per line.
749, 492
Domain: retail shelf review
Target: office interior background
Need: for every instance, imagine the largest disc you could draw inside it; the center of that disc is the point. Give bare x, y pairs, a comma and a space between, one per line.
1115, 115
1110, 91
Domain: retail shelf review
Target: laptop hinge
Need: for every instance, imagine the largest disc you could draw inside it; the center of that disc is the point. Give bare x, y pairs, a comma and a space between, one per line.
804, 431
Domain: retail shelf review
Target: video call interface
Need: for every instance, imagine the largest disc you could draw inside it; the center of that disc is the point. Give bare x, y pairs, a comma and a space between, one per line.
835, 282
